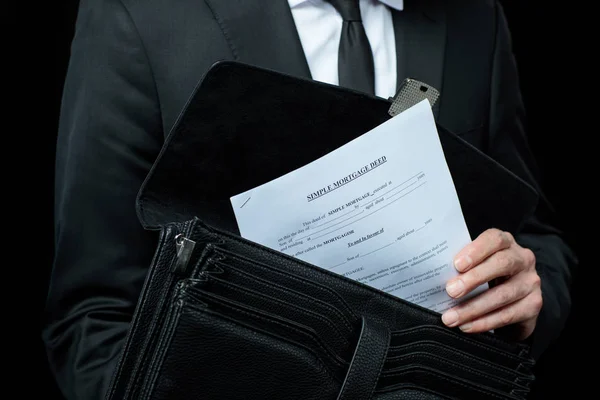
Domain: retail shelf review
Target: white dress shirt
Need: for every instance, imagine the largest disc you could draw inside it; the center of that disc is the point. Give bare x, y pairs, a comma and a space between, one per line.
319, 26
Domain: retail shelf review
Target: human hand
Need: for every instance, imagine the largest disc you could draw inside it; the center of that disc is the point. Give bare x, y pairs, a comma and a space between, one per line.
516, 300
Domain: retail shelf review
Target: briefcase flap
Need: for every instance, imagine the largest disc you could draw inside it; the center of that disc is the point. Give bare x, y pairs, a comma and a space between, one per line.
244, 126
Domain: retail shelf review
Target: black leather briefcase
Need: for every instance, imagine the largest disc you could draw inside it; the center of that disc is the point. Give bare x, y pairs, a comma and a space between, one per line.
221, 317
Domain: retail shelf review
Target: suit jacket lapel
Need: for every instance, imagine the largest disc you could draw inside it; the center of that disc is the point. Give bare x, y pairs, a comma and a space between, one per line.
262, 34
420, 33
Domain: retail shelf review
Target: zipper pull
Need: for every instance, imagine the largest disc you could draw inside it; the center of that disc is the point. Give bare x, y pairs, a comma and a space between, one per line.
185, 247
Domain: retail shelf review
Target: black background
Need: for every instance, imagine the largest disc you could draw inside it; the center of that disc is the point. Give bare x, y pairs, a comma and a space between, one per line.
546, 37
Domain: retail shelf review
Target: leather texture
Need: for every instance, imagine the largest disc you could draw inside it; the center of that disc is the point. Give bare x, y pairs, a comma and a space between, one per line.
367, 362
237, 320
204, 331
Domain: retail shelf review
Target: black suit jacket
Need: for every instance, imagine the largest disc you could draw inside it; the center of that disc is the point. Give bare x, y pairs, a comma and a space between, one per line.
134, 64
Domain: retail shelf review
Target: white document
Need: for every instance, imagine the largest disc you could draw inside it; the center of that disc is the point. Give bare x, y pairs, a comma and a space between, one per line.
381, 210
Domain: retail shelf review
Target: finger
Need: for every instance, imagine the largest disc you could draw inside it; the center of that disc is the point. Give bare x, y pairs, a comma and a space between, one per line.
512, 290
525, 309
486, 244
503, 263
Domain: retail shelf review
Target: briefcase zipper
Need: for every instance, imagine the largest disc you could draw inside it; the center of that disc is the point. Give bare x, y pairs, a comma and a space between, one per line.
185, 247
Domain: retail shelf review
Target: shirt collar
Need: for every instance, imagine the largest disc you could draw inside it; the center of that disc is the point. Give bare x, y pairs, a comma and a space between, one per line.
395, 4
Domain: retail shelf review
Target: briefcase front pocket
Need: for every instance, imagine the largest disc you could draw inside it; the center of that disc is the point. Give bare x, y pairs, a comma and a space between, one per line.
301, 313
470, 372
207, 354
272, 270
452, 341
441, 382
278, 325
446, 352
246, 276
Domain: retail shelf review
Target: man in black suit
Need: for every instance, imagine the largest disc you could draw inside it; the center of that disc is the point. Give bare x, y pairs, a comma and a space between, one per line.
135, 63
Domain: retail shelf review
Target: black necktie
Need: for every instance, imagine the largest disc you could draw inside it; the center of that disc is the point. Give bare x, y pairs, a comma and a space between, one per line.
355, 58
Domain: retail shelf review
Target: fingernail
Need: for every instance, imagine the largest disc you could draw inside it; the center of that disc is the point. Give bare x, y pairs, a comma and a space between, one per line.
455, 288
466, 327
462, 263
450, 318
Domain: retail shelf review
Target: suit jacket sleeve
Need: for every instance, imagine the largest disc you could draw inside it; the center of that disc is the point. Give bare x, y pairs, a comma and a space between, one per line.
508, 144
109, 135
